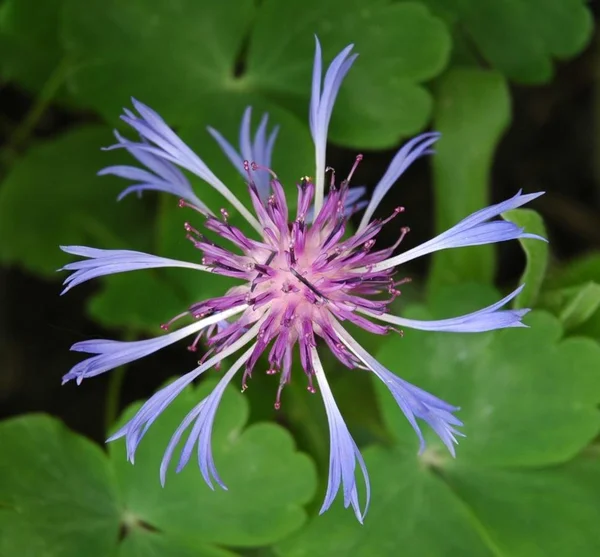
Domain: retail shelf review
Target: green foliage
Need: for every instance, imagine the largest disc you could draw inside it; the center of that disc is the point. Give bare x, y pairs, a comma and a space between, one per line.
258, 463
472, 113
62, 496
521, 38
529, 403
573, 293
30, 49
537, 255
57, 492
52, 197
382, 99
150, 50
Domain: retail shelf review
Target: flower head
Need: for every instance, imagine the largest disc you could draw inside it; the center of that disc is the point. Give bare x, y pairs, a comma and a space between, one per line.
303, 278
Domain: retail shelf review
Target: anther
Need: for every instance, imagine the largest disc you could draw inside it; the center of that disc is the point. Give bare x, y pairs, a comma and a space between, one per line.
224, 214
332, 181
190, 229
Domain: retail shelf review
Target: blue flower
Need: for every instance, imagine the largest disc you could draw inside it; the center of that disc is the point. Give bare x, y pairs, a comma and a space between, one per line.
300, 280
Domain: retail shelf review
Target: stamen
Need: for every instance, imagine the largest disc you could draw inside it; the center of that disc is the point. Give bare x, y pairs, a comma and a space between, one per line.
165, 326
182, 203
261, 167
194, 346
359, 158
247, 169
403, 232
332, 180
191, 230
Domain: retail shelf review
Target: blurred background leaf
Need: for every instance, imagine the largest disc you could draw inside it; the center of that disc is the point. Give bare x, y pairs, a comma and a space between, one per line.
168, 54
472, 112
520, 39
537, 255
30, 48
55, 188
383, 99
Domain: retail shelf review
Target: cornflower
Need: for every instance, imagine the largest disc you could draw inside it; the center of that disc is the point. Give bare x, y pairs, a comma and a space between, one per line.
301, 279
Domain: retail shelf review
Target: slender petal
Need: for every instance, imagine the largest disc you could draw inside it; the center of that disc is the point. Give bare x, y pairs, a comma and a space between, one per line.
343, 453
414, 402
410, 152
135, 429
164, 143
486, 319
321, 108
204, 416
114, 353
103, 262
163, 176
471, 231
258, 151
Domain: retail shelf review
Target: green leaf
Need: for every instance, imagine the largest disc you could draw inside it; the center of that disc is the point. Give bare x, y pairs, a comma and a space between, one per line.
138, 301
382, 98
53, 197
529, 404
521, 39
57, 493
537, 253
574, 305
472, 112
140, 542
167, 54
527, 513
582, 306
267, 479
29, 46
61, 496
570, 291
528, 397
576, 272
411, 509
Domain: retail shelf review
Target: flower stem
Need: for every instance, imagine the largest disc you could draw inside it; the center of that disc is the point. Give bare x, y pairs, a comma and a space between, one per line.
47, 93
115, 384
113, 397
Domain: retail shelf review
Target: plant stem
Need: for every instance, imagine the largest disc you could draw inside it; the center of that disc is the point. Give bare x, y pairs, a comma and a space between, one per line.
115, 384
113, 397
47, 93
